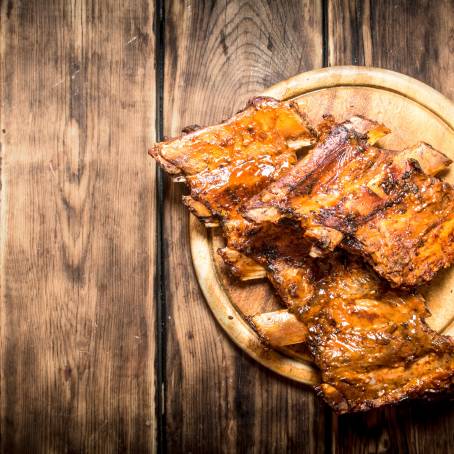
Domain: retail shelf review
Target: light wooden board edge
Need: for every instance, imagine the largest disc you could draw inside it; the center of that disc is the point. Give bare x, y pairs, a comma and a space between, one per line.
227, 316
337, 76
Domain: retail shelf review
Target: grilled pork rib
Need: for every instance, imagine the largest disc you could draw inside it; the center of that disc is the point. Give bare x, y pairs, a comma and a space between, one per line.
225, 166
282, 247
381, 204
371, 343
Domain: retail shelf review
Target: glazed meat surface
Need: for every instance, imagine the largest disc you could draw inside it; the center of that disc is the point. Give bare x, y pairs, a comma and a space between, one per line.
282, 253
373, 347
384, 205
283, 238
371, 343
224, 165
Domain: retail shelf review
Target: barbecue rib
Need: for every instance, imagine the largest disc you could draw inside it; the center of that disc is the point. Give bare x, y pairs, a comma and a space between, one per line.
208, 160
282, 248
226, 164
381, 204
371, 343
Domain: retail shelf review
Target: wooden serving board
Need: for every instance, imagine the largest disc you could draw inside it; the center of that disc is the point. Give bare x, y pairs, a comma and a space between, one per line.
414, 112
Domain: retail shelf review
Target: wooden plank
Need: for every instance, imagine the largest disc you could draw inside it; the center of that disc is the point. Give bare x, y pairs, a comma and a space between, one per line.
218, 54
415, 38
77, 227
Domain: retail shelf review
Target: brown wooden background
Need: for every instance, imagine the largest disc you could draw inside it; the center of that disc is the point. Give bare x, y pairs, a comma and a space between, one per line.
106, 344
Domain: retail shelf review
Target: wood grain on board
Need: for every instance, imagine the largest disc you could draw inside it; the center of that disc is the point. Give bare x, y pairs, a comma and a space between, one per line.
77, 227
417, 39
217, 55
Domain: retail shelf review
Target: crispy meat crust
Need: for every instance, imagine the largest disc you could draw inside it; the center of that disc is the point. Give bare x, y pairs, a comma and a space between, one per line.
228, 163
370, 342
376, 203
373, 347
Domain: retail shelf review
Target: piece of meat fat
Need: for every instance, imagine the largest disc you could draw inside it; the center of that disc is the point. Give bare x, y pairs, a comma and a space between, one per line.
371, 129
431, 161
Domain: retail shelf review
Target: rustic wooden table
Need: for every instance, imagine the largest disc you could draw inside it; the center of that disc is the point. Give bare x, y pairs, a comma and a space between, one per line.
106, 343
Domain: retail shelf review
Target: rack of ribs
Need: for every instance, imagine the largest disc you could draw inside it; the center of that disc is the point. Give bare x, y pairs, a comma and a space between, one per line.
227, 165
384, 205
370, 342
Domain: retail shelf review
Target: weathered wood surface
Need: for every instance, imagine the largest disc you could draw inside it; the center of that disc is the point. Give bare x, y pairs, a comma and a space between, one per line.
415, 38
77, 213
77, 227
218, 400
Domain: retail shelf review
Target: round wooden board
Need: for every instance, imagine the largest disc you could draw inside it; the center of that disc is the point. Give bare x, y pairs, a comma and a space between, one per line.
414, 112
